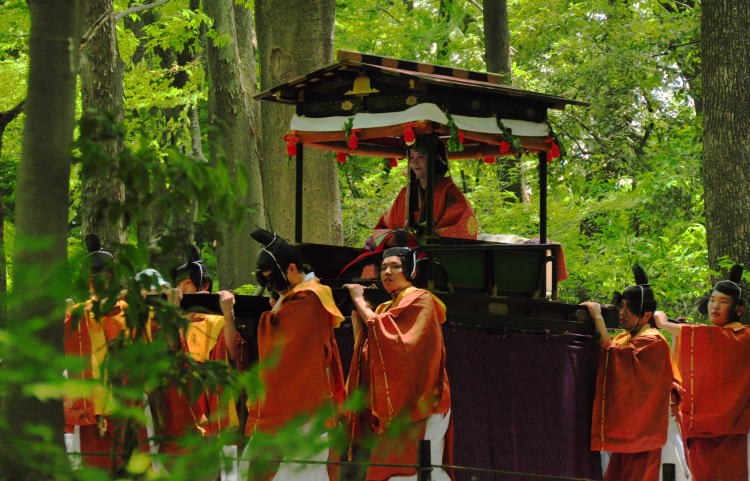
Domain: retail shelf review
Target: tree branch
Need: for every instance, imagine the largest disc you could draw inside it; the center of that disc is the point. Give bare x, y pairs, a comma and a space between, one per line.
139, 8
478, 7
642, 140
195, 134
86, 37
381, 9
588, 129
8, 116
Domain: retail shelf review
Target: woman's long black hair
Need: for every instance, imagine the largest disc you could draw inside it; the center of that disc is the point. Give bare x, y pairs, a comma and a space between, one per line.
431, 145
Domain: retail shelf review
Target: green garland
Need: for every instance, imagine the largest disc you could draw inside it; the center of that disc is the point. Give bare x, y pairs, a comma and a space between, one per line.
507, 135
348, 128
454, 144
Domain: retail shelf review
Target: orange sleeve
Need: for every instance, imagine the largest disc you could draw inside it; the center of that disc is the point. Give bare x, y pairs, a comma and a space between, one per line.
713, 362
297, 354
77, 342
407, 360
631, 404
454, 216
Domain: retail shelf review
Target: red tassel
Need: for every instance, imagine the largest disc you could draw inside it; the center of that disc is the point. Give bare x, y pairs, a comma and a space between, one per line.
341, 157
353, 141
291, 140
392, 162
409, 136
555, 151
489, 160
461, 138
504, 147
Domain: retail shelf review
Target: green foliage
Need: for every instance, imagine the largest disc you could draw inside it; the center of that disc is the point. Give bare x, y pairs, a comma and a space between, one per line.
14, 28
413, 30
368, 187
630, 189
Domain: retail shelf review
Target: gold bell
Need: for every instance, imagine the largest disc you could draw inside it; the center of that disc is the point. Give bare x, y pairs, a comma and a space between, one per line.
362, 86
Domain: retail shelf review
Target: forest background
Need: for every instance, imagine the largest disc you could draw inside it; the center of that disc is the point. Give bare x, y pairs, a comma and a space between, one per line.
629, 187
170, 149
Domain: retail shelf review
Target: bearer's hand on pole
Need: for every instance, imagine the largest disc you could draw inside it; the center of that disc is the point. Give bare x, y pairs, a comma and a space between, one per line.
595, 310
226, 303
356, 291
174, 296
662, 322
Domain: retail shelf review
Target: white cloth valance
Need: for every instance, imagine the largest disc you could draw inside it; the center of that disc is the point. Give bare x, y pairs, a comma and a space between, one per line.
419, 112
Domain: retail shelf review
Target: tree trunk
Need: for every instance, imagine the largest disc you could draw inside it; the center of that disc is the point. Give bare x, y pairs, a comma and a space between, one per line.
101, 73
726, 125
170, 236
444, 17
498, 60
294, 38
497, 37
40, 250
232, 131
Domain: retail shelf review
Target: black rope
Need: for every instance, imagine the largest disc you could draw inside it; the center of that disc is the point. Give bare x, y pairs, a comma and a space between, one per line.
379, 465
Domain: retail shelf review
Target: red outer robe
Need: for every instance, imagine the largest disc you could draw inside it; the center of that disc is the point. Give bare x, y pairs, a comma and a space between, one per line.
88, 340
453, 214
631, 406
716, 406
402, 363
178, 415
299, 358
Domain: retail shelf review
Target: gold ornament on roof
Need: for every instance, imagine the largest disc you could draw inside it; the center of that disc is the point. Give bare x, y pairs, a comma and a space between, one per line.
362, 86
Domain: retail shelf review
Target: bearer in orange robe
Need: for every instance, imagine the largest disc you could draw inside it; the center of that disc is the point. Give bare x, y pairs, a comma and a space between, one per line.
633, 386
453, 214
86, 336
399, 359
205, 338
714, 364
298, 354
208, 338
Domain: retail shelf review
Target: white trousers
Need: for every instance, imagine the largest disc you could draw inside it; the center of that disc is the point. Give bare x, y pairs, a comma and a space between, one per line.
295, 471
437, 428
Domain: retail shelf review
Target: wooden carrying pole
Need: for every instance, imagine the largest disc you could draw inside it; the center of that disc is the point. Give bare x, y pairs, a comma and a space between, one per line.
542, 197
298, 194
543, 222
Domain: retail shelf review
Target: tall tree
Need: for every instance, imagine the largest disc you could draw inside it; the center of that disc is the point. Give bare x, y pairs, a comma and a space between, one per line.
497, 37
170, 236
101, 71
232, 129
41, 235
726, 125
498, 60
294, 38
